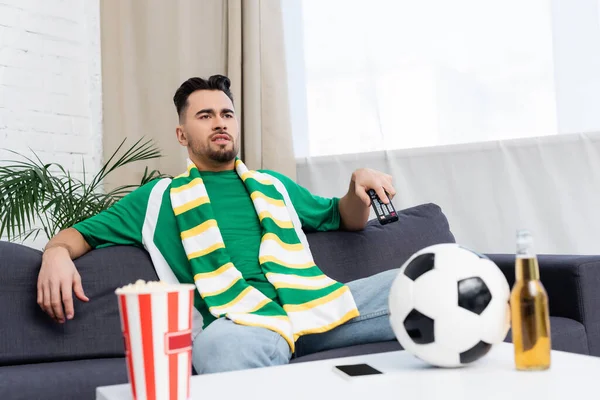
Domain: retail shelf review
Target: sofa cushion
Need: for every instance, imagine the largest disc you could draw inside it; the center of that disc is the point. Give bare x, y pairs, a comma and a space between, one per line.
566, 335
28, 335
346, 256
572, 283
67, 380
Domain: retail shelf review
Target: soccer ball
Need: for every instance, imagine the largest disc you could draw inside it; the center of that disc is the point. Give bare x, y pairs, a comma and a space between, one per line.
449, 305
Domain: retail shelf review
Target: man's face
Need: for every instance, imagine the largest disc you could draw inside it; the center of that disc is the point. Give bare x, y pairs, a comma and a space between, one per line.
210, 128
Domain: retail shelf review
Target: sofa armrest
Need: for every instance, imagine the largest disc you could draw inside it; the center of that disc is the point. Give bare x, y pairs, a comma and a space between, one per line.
573, 286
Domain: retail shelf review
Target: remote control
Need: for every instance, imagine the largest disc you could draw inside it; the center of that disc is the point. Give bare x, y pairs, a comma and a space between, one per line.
385, 212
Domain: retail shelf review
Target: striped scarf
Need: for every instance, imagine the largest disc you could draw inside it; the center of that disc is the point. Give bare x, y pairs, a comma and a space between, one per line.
311, 302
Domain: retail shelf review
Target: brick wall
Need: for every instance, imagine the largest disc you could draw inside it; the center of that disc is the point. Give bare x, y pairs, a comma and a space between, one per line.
50, 82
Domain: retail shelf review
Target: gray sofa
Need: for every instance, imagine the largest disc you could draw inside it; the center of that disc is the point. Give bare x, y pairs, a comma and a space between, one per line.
42, 359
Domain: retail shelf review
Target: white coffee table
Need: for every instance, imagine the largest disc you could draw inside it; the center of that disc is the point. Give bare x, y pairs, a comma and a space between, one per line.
571, 376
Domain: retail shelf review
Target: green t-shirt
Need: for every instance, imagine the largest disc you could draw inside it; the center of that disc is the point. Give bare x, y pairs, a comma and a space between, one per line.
236, 217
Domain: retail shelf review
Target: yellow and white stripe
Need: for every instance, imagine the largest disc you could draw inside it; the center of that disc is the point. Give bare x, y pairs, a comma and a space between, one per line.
265, 259
288, 254
255, 176
290, 207
322, 314
188, 196
189, 185
256, 195
290, 281
281, 243
217, 281
244, 173
278, 222
240, 167
248, 301
279, 324
202, 239
275, 209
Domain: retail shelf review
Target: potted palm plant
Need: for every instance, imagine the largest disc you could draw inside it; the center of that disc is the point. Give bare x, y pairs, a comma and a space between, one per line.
43, 198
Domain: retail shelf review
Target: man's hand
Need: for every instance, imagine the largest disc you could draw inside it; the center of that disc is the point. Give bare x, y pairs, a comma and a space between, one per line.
365, 179
57, 280
354, 206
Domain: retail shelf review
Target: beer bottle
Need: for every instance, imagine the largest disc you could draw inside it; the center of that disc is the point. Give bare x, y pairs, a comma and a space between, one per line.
529, 309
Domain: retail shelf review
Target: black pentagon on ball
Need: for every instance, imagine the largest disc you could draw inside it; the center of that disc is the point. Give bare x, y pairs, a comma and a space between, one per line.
419, 265
419, 327
475, 352
473, 294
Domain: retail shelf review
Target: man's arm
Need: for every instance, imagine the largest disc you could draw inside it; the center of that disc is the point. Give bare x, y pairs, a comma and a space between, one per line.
121, 224
58, 278
350, 212
354, 206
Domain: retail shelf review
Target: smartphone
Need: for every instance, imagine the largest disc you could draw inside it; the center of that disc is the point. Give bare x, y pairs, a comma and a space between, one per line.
356, 370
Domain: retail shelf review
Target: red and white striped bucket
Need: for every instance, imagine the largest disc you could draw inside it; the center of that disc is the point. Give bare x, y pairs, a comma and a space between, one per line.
157, 329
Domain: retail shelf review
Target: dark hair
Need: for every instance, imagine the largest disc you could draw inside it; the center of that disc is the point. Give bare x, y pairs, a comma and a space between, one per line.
215, 82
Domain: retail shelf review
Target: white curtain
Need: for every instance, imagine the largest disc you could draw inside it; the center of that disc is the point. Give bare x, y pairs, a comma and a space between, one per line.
489, 109
149, 48
489, 190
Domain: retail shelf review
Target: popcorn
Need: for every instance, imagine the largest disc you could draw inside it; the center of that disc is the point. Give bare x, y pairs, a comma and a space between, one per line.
158, 313
141, 286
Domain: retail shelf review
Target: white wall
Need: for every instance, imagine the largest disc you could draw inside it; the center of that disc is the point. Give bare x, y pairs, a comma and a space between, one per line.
50, 82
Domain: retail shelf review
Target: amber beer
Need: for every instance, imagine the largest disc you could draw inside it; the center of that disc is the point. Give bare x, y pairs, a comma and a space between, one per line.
529, 310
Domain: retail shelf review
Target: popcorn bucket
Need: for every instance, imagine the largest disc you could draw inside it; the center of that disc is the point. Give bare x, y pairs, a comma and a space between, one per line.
156, 320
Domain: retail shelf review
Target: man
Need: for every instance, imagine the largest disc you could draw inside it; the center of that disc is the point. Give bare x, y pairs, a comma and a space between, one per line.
238, 235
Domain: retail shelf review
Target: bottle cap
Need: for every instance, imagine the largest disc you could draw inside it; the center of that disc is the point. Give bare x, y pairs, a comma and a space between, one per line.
524, 242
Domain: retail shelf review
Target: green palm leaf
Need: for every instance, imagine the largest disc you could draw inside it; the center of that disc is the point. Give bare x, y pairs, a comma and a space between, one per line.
33, 193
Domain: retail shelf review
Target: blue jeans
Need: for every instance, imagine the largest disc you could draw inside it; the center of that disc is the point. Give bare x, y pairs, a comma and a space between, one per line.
227, 346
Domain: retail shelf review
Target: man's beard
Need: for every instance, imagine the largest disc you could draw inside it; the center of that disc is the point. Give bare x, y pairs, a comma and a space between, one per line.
221, 155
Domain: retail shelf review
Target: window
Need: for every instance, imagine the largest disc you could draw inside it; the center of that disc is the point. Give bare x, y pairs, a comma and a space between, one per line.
393, 74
